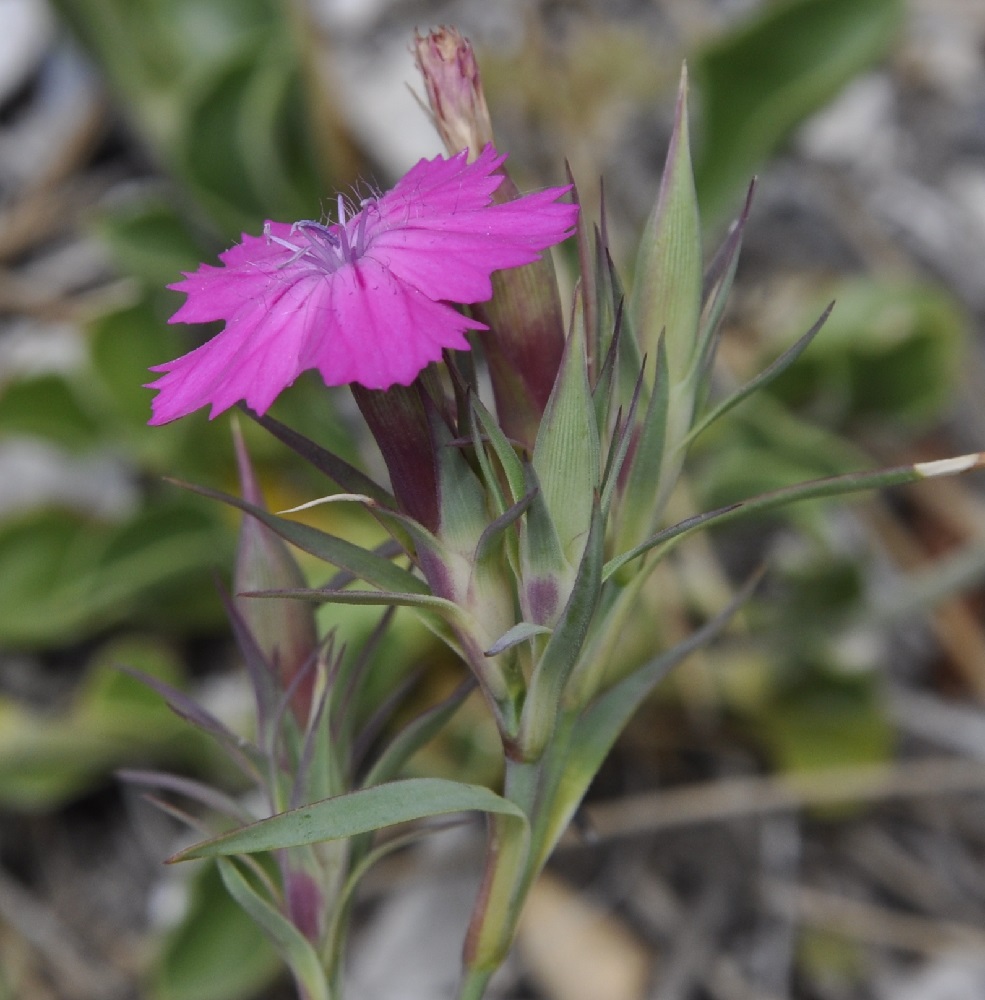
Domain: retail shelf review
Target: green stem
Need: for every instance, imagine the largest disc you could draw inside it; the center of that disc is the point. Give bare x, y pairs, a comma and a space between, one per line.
548, 792
505, 882
474, 983
611, 624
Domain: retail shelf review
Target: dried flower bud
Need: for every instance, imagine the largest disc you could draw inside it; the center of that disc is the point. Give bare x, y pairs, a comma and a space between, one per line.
447, 63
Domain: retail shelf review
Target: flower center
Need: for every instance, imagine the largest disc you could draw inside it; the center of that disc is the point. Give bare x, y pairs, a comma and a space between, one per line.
328, 246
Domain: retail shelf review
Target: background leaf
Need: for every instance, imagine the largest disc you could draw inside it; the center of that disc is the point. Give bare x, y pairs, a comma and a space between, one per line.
216, 952
760, 81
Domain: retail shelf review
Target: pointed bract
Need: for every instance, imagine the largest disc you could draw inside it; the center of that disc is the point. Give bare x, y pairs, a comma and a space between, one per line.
666, 298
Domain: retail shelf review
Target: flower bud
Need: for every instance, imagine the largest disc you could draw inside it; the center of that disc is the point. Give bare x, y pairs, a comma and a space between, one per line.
447, 63
525, 340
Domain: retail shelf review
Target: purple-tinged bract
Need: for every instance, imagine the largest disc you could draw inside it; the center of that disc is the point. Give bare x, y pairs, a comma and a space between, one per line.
364, 299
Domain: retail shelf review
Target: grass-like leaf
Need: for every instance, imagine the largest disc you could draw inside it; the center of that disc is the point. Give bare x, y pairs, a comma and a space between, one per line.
295, 948
767, 375
815, 489
337, 551
356, 813
341, 472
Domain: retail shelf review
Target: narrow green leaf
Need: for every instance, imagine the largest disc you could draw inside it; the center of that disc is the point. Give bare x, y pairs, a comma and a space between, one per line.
446, 609
625, 337
216, 952
717, 286
588, 268
767, 375
520, 632
295, 948
603, 372
621, 440
490, 476
816, 489
511, 464
356, 813
644, 491
334, 550
415, 735
597, 728
341, 472
340, 915
486, 546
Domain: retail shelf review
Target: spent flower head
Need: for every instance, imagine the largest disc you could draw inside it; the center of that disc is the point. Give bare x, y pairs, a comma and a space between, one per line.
365, 299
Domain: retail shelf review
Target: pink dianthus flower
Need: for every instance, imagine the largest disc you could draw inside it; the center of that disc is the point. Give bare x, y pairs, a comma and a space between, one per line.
365, 299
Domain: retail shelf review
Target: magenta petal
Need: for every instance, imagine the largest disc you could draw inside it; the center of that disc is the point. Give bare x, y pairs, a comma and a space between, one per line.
364, 300
254, 358
386, 331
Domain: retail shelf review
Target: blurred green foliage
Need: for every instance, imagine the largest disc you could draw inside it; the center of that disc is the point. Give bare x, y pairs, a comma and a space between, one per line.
759, 81
886, 362
48, 758
226, 94
890, 353
216, 952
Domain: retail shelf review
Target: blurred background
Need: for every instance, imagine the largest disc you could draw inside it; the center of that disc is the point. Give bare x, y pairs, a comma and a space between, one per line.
800, 813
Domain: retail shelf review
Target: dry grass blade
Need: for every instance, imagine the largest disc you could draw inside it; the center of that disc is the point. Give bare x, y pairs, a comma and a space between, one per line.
729, 798
871, 924
77, 976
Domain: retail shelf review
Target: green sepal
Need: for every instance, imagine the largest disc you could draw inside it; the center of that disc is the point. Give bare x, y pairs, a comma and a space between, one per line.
666, 296
567, 452
545, 691
544, 571
644, 491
